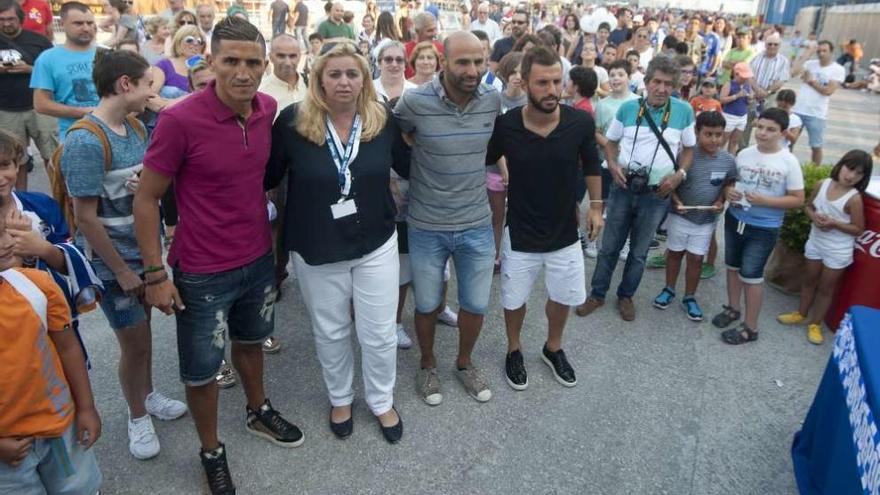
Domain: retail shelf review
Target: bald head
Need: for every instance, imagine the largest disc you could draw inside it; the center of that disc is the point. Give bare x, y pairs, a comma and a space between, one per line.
337, 10
459, 40
285, 52
464, 63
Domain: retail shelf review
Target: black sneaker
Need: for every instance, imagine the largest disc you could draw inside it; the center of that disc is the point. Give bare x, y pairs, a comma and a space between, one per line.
562, 371
217, 471
267, 423
515, 371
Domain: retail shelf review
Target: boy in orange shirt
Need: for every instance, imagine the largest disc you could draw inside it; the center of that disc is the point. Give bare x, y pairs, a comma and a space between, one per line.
705, 101
48, 418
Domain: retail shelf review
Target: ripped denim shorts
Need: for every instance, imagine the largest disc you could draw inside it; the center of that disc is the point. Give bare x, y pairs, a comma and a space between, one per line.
121, 311
237, 304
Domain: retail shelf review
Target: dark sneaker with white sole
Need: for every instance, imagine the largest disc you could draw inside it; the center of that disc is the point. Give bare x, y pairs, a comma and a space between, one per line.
268, 424
562, 370
217, 471
515, 371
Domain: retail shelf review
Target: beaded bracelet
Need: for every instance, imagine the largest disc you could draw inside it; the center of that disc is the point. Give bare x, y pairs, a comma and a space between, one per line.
154, 268
158, 281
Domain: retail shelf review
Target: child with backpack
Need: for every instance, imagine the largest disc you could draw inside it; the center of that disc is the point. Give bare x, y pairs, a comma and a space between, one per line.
48, 421
101, 158
835, 208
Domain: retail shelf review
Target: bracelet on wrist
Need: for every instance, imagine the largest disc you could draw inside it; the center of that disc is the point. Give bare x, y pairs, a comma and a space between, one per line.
597, 201
154, 269
157, 281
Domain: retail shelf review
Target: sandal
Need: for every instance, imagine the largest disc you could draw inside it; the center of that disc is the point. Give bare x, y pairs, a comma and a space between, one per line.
665, 298
727, 316
739, 335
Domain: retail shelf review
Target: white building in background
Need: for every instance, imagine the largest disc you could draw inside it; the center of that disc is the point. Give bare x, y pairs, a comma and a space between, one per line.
728, 6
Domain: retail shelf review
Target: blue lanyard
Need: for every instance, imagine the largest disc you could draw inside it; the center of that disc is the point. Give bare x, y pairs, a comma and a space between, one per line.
342, 157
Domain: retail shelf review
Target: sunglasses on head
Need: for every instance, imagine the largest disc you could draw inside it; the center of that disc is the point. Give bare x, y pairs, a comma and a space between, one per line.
192, 40
394, 60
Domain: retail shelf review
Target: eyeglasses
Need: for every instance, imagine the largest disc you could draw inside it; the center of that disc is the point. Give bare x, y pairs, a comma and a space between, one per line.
394, 60
193, 61
685, 71
192, 40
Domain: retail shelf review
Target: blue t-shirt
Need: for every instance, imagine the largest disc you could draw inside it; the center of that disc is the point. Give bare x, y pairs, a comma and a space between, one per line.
713, 46
82, 163
67, 75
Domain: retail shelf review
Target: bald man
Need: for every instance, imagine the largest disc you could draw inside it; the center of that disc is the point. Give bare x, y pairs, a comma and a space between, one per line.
334, 27
449, 210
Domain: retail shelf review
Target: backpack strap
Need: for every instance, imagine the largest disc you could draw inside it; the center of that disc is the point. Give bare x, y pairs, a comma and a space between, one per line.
29, 290
137, 125
88, 125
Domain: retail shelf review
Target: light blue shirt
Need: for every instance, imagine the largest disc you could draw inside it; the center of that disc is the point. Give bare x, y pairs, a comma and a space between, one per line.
67, 75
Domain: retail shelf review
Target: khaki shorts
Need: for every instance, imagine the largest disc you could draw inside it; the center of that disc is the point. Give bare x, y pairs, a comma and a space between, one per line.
29, 125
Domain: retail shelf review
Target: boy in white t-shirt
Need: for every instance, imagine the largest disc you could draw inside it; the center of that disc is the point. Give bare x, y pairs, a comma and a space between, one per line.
769, 181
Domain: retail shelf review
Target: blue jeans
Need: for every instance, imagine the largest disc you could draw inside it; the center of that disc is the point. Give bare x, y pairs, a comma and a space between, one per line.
473, 253
53, 465
121, 311
747, 248
239, 302
636, 216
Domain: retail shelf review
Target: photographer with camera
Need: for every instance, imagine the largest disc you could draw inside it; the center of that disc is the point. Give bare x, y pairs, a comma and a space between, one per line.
650, 149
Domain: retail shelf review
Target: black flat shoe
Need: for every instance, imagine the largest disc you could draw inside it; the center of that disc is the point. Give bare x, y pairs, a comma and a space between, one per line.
344, 429
392, 434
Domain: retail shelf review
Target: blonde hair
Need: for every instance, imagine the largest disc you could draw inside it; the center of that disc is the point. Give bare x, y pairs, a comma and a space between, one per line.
312, 115
153, 24
182, 33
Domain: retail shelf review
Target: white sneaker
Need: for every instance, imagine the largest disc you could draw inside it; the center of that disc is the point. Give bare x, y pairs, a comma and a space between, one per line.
164, 408
403, 340
624, 253
592, 249
448, 317
142, 440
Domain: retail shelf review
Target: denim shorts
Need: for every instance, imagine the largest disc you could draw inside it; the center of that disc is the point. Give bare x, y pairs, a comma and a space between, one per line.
473, 254
239, 302
53, 465
815, 128
747, 252
121, 311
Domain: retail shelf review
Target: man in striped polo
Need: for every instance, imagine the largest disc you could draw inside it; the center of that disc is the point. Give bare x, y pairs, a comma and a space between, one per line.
449, 121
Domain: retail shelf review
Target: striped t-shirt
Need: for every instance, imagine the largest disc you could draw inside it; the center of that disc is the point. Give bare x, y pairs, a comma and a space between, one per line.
82, 164
447, 190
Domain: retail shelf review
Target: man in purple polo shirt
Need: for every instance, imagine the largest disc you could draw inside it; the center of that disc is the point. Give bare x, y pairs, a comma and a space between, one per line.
214, 147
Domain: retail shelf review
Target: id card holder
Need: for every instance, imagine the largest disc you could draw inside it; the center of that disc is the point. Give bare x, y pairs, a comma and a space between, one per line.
343, 209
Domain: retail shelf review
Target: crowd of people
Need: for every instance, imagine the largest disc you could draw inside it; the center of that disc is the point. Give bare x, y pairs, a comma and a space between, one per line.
373, 162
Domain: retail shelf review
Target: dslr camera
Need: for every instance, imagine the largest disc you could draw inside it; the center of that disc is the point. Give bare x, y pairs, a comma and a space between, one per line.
637, 178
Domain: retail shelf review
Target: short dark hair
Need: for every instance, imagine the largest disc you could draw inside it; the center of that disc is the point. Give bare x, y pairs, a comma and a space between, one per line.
619, 64
669, 43
666, 65
858, 161
526, 38
826, 42
621, 12
121, 5
681, 48
548, 39
328, 7
710, 119
111, 65
630, 53
316, 36
481, 35
508, 65
584, 80
603, 25
683, 61
539, 55
776, 115
786, 96
520, 11
235, 29
78, 6
12, 4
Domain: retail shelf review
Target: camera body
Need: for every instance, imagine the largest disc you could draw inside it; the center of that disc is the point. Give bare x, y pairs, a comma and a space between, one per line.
637, 176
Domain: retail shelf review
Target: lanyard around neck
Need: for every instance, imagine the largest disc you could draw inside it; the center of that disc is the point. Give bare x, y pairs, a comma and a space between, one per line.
343, 156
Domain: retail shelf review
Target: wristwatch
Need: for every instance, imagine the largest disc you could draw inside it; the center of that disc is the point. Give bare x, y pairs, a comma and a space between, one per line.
684, 174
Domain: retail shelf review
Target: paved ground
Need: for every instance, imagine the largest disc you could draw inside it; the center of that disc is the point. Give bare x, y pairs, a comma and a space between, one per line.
662, 405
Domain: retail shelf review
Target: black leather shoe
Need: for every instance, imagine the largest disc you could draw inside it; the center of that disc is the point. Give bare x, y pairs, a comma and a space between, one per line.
392, 434
344, 429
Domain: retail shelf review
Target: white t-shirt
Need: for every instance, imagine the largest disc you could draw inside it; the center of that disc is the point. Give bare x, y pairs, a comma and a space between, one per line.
809, 101
645, 58
601, 74
383, 95
772, 174
794, 122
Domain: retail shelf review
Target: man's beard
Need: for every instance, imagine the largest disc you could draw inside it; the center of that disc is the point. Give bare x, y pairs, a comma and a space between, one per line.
538, 105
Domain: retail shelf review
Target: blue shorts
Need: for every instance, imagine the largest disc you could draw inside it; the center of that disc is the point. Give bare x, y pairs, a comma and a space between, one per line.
239, 302
53, 465
747, 251
121, 311
473, 254
815, 128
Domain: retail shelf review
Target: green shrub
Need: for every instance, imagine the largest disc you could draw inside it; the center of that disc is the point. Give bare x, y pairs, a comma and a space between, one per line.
796, 227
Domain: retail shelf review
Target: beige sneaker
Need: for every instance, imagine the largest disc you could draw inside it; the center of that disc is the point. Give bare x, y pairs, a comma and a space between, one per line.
474, 384
428, 386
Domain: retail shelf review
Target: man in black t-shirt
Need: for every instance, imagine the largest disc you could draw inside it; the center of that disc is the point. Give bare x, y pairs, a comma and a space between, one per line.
544, 144
18, 51
519, 25
300, 20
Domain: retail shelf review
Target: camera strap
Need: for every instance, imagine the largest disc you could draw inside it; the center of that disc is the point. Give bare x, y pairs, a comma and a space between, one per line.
664, 123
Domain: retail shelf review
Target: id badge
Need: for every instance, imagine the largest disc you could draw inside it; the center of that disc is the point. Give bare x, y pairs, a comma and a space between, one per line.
343, 209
